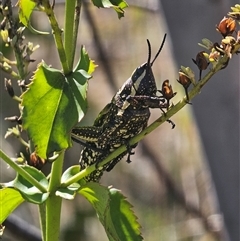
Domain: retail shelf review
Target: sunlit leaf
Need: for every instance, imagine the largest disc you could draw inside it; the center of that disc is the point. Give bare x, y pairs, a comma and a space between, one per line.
85, 62
53, 104
9, 200
26, 8
114, 212
117, 5
29, 192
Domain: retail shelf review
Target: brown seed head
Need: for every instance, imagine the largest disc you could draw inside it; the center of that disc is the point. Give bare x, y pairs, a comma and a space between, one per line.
201, 61
36, 161
167, 90
184, 80
226, 26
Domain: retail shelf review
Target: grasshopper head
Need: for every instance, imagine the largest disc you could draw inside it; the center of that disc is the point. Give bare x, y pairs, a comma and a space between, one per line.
143, 81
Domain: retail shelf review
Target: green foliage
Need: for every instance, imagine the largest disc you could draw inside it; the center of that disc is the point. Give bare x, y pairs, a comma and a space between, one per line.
114, 212
117, 5
29, 192
26, 8
9, 199
70, 191
49, 99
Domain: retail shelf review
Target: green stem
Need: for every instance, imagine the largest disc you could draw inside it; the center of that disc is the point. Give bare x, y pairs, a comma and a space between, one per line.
22, 172
57, 35
56, 173
53, 203
84, 172
71, 29
42, 213
173, 110
53, 215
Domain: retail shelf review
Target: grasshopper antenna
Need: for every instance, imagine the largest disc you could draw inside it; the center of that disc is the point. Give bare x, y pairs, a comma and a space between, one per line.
149, 53
160, 49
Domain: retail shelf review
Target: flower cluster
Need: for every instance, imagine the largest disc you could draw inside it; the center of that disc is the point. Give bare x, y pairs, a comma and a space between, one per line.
229, 45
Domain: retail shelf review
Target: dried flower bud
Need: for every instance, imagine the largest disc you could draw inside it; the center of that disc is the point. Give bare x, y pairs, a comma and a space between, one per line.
226, 27
9, 88
36, 161
201, 62
167, 91
185, 81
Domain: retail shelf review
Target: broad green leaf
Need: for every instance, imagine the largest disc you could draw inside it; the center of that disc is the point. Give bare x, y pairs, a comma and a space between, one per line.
114, 212
130, 228
117, 5
52, 106
9, 200
29, 192
26, 8
98, 196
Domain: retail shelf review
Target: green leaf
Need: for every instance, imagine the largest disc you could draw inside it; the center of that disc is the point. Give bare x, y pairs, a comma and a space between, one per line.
117, 5
206, 43
70, 172
114, 212
85, 62
29, 192
9, 199
70, 191
26, 8
52, 106
66, 192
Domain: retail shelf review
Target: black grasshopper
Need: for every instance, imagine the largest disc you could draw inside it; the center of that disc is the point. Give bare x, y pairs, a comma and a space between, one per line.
123, 118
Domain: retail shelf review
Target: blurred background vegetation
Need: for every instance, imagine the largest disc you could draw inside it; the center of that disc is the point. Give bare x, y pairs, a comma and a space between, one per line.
180, 181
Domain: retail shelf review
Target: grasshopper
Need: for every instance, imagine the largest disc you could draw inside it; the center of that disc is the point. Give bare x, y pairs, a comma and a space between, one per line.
124, 117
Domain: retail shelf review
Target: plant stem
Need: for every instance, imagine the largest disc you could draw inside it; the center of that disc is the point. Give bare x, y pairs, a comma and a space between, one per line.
53, 215
22, 172
42, 216
53, 203
56, 173
71, 29
57, 32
